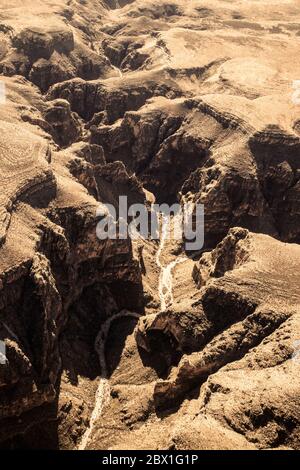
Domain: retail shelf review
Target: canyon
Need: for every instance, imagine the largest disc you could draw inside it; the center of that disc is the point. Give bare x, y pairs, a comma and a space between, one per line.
126, 344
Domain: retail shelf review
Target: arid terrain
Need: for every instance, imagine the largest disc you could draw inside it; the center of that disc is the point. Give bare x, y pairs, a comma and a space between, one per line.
138, 344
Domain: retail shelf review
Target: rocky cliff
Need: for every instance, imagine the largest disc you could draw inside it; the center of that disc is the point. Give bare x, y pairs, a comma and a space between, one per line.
137, 343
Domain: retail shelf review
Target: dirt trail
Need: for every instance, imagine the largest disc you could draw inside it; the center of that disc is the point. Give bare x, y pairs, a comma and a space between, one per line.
103, 391
165, 287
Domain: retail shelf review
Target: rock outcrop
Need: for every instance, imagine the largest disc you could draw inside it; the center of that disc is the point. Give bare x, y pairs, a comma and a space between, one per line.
190, 102
53, 44
50, 259
236, 302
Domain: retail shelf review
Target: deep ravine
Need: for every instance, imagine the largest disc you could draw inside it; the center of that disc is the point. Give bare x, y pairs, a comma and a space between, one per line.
103, 391
165, 289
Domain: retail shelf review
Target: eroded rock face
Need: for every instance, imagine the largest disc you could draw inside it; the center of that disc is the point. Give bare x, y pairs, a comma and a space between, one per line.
157, 101
236, 306
24, 169
50, 258
64, 124
249, 183
87, 98
55, 48
246, 333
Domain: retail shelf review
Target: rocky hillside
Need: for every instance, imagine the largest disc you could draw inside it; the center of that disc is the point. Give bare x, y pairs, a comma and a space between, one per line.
125, 344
